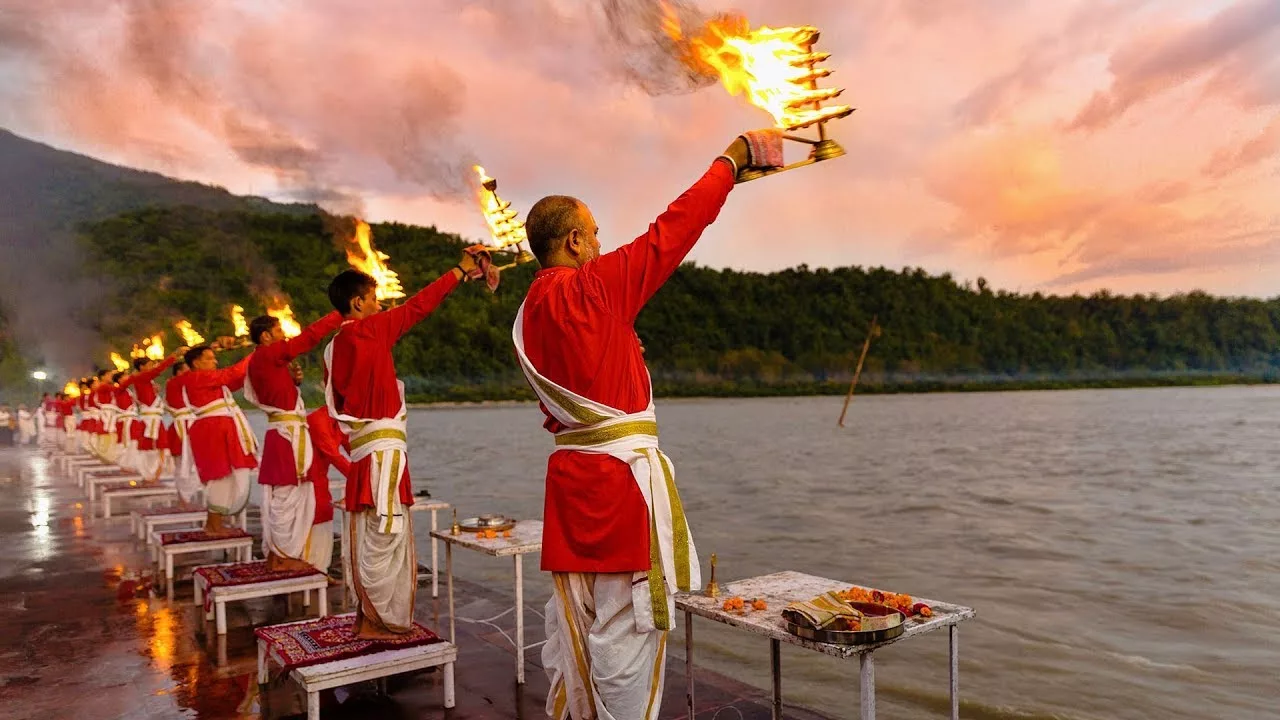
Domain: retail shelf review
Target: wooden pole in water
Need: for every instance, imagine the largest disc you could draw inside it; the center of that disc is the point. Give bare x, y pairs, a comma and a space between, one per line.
872, 331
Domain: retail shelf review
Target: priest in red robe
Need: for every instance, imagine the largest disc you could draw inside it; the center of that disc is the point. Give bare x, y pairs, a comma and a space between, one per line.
222, 443
615, 537
364, 395
288, 501
177, 441
147, 428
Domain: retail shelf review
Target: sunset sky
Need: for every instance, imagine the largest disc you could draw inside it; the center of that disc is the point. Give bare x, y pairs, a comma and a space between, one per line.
1057, 146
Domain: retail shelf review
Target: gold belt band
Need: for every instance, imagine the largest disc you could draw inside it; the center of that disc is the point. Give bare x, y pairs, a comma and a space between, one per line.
606, 435
285, 418
391, 433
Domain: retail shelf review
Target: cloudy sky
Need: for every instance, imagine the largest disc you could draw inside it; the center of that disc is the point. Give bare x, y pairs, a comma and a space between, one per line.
1058, 146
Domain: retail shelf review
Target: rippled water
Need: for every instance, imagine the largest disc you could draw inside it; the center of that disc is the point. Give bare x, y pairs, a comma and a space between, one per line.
1121, 547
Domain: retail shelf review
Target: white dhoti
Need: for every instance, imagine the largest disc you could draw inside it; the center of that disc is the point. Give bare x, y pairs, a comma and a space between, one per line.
288, 512
319, 552
228, 495
599, 666
384, 571
624, 617
26, 428
382, 563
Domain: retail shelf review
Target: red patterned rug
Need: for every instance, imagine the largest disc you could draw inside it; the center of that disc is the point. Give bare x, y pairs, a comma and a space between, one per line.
329, 639
245, 574
190, 536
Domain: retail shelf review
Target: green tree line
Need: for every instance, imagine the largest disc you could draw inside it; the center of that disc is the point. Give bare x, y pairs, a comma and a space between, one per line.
707, 332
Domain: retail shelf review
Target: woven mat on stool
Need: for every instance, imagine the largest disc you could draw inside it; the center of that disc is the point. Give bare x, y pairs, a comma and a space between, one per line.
168, 510
190, 536
245, 574
329, 639
133, 484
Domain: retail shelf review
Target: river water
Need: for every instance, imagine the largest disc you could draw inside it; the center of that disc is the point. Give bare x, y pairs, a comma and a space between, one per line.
1121, 547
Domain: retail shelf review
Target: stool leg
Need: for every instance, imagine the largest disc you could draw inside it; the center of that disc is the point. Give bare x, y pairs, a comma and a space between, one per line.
324, 602
262, 662
313, 706
435, 560
220, 609
449, 700
306, 598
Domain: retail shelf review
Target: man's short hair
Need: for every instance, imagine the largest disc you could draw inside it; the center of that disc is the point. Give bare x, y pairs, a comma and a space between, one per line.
139, 362
260, 326
180, 366
347, 286
115, 376
550, 219
194, 354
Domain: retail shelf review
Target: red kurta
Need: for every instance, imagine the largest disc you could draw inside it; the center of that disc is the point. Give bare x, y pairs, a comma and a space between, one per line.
174, 399
363, 375
124, 401
102, 397
327, 440
84, 425
215, 445
273, 384
143, 385
579, 332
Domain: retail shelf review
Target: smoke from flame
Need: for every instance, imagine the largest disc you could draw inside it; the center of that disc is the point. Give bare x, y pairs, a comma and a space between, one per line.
362, 256
190, 337
238, 321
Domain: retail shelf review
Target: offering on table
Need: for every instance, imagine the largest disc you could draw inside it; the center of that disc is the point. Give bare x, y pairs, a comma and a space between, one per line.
898, 601
741, 605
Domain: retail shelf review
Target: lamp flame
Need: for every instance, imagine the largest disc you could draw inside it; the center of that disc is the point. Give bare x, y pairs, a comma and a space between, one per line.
154, 347
362, 256
71, 389
288, 324
120, 363
237, 319
503, 224
775, 69
190, 337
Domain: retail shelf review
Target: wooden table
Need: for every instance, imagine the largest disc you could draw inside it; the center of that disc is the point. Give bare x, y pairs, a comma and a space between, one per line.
96, 479
220, 595
781, 589
376, 665
148, 492
526, 537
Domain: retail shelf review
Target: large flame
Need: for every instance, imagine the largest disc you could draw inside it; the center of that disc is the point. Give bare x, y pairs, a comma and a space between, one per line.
237, 319
504, 226
71, 389
136, 352
190, 337
154, 347
120, 363
367, 259
288, 324
774, 68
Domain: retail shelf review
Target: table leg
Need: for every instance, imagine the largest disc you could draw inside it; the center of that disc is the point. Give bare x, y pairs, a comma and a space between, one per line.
449, 700
435, 558
775, 661
955, 674
448, 561
688, 661
519, 619
867, 671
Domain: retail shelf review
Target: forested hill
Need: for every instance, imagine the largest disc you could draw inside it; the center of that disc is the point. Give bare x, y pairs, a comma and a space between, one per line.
708, 331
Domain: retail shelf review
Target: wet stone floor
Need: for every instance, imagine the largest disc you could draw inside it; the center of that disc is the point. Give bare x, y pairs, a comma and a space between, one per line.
85, 635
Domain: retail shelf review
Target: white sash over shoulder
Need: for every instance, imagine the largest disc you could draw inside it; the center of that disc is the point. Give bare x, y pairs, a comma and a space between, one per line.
593, 427
386, 441
225, 406
292, 426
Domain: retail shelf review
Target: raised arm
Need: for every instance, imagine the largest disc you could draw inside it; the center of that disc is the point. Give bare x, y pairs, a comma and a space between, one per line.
232, 377
394, 323
310, 337
325, 439
153, 373
630, 275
